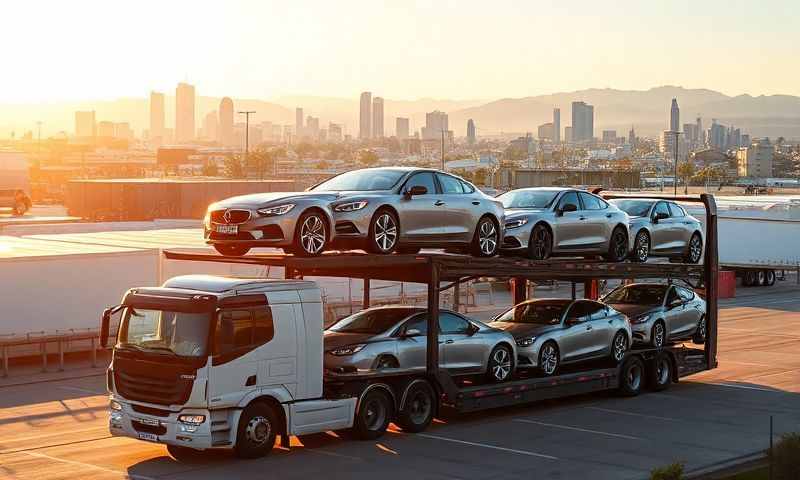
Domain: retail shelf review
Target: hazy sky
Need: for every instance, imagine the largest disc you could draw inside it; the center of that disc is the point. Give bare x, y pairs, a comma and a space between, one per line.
81, 49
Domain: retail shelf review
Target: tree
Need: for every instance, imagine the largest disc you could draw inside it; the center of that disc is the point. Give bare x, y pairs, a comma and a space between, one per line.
686, 171
210, 169
367, 158
233, 166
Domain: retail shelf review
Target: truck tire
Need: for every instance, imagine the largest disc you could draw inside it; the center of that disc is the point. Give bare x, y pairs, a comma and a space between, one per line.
258, 427
375, 412
419, 408
660, 372
20, 207
631, 377
761, 278
749, 278
769, 278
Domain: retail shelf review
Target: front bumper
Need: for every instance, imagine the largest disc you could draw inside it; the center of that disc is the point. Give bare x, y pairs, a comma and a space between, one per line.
641, 332
158, 429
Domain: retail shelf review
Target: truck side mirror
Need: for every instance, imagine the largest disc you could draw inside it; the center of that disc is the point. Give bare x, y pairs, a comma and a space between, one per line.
105, 324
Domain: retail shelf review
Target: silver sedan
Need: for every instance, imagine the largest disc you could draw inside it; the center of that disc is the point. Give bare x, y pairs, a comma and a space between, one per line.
382, 210
543, 222
554, 332
395, 337
662, 228
661, 313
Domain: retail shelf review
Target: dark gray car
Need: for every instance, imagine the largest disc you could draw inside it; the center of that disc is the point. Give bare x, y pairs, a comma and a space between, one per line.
382, 210
554, 332
661, 313
395, 337
544, 222
662, 228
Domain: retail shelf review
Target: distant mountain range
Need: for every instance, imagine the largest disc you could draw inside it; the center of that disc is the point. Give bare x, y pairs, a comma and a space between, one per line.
646, 110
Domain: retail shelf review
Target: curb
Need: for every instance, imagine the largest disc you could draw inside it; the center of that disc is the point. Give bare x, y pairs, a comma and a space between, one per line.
728, 467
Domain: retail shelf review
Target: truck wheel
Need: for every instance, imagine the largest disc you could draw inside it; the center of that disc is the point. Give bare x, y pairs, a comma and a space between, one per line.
631, 377
749, 278
769, 275
761, 278
184, 454
258, 427
660, 374
375, 412
419, 408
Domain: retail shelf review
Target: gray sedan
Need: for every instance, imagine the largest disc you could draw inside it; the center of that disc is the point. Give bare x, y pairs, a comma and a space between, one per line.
661, 313
543, 222
382, 210
395, 337
662, 228
554, 332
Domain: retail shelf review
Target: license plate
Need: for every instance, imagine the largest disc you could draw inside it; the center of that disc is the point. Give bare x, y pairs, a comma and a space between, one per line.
150, 437
227, 229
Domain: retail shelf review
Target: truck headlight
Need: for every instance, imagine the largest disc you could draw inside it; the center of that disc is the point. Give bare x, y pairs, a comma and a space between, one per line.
640, 319
207, 220
275, 211
348, 350
192, 419
516, 223
350, 206
526, 342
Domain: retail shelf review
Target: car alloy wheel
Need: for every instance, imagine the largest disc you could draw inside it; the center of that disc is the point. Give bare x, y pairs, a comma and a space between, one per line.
385, 232
620, 346
642, 247
658, 335
700, 332
487, 238
500, 364
313, 234
541, 243
548, 359
695, 249
619, 245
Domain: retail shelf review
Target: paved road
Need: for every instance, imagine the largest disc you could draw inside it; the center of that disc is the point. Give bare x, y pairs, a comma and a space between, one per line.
57, 430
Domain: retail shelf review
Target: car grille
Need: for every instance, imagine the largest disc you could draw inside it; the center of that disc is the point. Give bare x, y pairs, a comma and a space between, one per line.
234, 216
212, 235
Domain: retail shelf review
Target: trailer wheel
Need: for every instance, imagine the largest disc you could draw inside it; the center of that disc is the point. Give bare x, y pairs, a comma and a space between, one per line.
749, 278
761, 278
375, 412
660, 374
258, 427
769, 278
419, 407
631, 377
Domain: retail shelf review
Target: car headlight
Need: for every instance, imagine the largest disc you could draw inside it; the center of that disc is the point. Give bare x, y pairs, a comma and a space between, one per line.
640, 319
115, 405
275, 211
526, 342
516, 223
350, 206
192, 419
348, 350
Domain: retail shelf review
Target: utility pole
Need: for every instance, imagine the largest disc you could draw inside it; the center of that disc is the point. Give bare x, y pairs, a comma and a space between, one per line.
246, 114
675, 179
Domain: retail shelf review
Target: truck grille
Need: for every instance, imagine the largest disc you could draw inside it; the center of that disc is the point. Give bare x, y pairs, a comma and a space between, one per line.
145, 428
230, 216
151, 382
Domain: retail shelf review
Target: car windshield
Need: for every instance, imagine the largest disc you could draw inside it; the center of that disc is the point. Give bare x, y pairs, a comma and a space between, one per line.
634, 208
638, 295
528, 198
362, 180
178, 333
371, 321
538, 312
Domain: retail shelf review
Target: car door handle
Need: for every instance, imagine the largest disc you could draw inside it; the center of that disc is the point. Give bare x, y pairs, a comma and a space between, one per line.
439, 203
475, 202
446, 341
609, 215
588, 327
581, 218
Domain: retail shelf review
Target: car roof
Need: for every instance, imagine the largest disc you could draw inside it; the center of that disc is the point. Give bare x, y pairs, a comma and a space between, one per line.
549, 189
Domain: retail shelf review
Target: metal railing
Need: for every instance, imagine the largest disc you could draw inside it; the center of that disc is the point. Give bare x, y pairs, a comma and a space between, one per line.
42, 340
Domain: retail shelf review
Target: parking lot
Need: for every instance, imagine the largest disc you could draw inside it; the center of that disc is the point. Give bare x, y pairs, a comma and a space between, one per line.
57, 429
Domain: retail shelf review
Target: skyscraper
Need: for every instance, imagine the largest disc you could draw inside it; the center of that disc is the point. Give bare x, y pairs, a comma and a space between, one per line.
471, 132
298, 122
184, 113
701, 140
632, 137
401, 128
335, 132
210, 125
582, 122
157, 116
556, 125
377, 117
85, 124
674, 117
226, 136
365, 116
436, 122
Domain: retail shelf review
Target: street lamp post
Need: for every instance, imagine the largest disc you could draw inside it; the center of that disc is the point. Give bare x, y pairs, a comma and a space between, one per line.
246, 114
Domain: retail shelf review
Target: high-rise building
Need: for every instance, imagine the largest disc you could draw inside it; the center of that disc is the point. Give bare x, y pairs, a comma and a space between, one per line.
756, 160
157, 116
377, 117
335, 132
210, 125
436, 122
546, 131
716, 135
582, 122
105, 129
85, 126
701, 134
690, 134
226, 136
674, 116
365, 116
311, 129
184, 113
298, 122
401, 128
556, 125
568, 134
667, 142
632, 137
123, 131
609, 136
471, 132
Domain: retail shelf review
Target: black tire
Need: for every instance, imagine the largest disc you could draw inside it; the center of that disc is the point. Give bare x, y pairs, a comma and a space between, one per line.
419, 408
384, 232
749, 278
549, 358
19, 208
631, 377
408, 250
694, 251
184, 454
386, 361
641, 247
660, 372
486, 241
258, 427
540, 245
375, 412
699, 336
230, 250
659, 330
500, 366
761, 278
310, 234
617, 245
770, 277
619, 346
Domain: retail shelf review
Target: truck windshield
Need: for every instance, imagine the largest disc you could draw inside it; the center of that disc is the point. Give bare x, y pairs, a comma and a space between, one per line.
374, 321
538, 312
638, 295
178, 333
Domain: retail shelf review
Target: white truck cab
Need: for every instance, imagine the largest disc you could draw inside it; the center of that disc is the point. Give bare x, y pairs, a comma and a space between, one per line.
207, 361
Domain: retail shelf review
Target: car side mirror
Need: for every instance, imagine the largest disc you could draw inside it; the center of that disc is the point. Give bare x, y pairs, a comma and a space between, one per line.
675, 303
660, 216
472, 330
416, 190
573, 321
412, 332
569, 207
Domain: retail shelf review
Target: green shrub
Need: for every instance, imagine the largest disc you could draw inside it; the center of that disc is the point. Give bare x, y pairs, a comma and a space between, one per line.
670, 472
786, 457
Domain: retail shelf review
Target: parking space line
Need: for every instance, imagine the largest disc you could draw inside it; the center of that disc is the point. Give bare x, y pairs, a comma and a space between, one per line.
633, 414
576, 429
88, 465
484, 445
52, 435
745, 387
